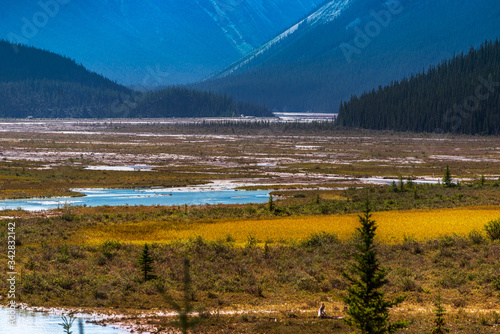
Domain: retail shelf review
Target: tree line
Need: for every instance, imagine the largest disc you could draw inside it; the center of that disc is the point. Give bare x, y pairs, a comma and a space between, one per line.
461, 96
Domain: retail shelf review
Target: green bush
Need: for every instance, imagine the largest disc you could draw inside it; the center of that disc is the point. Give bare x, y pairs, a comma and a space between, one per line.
476, 237
321, 239
493, 229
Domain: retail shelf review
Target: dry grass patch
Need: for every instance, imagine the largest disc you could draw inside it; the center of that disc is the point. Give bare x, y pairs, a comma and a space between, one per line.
394, 227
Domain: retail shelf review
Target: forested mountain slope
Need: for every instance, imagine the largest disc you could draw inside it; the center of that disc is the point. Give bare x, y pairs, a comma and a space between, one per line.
461, 95
350, 46
42, 84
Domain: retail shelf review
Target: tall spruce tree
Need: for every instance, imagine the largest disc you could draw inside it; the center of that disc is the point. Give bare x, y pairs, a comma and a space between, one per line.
146, 263
447, 181
367, 308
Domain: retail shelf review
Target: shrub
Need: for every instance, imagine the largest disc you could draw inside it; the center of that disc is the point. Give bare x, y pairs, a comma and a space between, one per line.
452, 280
408, 284
493, 229
496, 284
321, 239
476, 237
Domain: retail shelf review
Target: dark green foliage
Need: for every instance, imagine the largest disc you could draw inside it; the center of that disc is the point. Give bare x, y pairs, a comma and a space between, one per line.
67, 323
394, 187
439, 322
185, 308
271, 203
482, 180
493, 229
183, 102
447, 181
146, 263
458, 96
367, 309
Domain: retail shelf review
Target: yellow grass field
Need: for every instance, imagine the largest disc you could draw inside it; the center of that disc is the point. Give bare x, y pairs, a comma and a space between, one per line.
393, 227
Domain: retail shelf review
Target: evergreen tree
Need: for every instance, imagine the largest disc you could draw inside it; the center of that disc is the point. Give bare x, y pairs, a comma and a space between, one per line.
367, 308
271, 203
146, 263
67, 323
482, 180
447, 181
439, 323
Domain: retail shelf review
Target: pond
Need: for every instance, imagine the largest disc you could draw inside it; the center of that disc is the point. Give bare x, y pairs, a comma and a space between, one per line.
196, 195
28, 322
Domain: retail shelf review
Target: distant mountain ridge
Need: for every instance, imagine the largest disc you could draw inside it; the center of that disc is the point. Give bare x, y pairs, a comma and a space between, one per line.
43, 84
347, 47
19, 63
150, 42
326, 13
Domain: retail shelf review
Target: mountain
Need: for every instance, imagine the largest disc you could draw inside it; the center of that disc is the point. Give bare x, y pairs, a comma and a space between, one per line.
39, 83
350, 46
150, 42
42, 84
458, 96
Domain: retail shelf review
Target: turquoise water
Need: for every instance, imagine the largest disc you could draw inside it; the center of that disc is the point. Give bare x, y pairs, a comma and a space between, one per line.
41, 323
118, 197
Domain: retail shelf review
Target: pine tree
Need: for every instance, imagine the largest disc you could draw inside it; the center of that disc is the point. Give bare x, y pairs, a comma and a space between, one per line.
367, 308
447, 181
439, 322
146, 263
67, 323
482, 180
401, 183
271, 203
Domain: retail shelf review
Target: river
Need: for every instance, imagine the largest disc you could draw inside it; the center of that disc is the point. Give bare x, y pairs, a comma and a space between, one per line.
196, 195
28, 322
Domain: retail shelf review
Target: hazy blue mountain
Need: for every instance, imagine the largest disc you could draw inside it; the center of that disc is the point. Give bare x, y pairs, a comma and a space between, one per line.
43, 84
150, 42
350, 46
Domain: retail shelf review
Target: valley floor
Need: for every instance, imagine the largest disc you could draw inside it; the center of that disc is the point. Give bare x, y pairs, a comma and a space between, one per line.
256, 268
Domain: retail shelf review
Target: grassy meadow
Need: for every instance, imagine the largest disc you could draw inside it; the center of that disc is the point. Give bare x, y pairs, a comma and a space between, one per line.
394, 227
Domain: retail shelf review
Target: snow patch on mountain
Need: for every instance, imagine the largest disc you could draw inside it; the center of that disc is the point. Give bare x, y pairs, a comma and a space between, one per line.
227, 27
328, 12
323, 15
